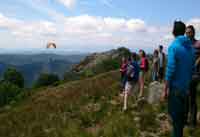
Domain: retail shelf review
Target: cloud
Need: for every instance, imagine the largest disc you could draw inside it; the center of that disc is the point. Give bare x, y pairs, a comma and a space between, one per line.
68, 3
96, 32
92, 31
196, 23
91, 24
28, 30
87, 32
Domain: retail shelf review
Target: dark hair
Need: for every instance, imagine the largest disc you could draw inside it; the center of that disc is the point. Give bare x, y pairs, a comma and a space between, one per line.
179, 28
155, 52
160, 46
192, 28
134, 56
129, 59
143, 53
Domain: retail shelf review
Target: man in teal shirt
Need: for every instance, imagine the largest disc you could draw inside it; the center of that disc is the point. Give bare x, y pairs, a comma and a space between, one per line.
178, 77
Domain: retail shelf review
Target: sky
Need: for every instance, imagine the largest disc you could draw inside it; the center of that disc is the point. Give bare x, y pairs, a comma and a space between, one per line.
92, 25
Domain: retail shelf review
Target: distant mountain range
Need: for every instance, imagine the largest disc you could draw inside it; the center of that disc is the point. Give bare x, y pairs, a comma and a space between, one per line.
32, 65
42, 51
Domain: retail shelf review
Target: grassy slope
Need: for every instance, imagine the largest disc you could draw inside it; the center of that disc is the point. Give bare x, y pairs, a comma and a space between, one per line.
87, 108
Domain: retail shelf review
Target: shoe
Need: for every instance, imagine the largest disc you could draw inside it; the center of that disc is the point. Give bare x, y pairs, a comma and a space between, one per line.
121, 95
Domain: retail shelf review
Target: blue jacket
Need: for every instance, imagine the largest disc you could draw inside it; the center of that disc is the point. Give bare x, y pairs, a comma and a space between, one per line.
180, 64
136, 69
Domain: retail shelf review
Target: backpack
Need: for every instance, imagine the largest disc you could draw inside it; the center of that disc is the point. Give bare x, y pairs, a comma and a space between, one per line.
130, 72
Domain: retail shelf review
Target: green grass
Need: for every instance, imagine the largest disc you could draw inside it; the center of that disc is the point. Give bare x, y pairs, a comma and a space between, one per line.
82, 108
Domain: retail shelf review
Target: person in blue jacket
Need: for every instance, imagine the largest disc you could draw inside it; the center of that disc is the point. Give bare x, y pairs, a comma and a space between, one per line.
132, 75
178, 77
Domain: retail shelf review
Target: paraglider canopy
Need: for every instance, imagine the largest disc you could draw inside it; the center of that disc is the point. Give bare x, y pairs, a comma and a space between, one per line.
51, 45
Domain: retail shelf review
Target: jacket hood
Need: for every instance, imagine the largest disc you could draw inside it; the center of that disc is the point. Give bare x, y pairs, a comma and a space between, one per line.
185, 41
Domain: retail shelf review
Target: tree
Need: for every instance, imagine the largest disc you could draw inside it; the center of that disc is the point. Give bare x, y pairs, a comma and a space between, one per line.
13, 76
8, 92
46, 80
71, 76
124, 52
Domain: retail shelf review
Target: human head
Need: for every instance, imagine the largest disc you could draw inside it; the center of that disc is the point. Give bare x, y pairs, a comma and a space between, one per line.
134, 56
160, 48
155, 53
129, 60
179, 28
190, 32
123, 59
142, 53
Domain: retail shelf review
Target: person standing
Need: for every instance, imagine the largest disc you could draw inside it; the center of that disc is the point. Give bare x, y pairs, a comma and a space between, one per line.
178, 77
123, 69
155, 67
144, 66
190, 32
161, 56
132, 78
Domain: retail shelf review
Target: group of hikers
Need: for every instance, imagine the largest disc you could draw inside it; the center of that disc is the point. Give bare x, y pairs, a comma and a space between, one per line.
180, 73
134, 71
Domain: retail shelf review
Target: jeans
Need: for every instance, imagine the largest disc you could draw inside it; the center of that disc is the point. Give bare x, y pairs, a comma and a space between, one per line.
161, 73
123, 81
155, 76
193, 102
177, 107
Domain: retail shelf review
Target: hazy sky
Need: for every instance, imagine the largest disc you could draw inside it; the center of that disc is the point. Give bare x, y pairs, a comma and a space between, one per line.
92, 25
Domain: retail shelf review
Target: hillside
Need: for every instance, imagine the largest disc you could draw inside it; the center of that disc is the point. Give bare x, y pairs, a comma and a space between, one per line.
85, 108
32, 65
96, 60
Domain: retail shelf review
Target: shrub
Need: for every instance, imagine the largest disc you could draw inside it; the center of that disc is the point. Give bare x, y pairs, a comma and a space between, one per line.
13, 76
47, 80
71, 76
8, 93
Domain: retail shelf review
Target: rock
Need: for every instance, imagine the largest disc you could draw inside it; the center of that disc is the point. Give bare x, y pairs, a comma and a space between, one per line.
49, 130
113, 102
164, 122
94, 130
148, 134
96, 107
134, 106
165, 127
155, 92
7, 107
162, 116
140, 102
92, 107
137, 119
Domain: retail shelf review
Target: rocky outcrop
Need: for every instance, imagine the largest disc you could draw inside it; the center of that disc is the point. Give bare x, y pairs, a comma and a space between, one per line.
92, 60
155, 92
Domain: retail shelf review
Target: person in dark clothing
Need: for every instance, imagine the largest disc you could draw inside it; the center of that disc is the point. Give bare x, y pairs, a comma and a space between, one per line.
155, 66
177, 82
161, 56
192, 100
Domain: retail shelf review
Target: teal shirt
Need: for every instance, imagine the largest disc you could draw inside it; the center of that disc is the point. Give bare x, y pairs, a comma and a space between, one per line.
180, 64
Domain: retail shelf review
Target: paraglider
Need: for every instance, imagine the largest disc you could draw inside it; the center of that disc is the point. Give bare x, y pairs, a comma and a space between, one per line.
51, 45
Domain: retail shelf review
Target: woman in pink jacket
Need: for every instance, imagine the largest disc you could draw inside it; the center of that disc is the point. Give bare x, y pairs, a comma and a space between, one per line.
143, 70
